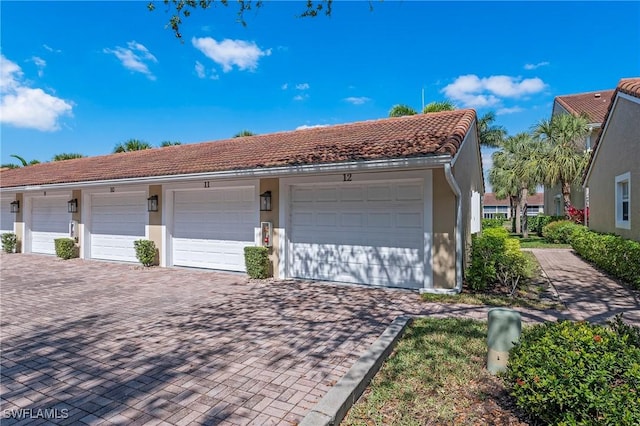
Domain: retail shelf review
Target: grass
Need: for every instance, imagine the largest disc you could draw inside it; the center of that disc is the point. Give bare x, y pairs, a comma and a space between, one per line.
531, 293
435, 375
534, 241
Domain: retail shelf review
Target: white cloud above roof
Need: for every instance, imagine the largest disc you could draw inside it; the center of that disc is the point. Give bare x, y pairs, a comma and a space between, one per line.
40, 64
202, 72
229, 53
302, 86
357, 100
27, 107
135, 57
535, 66
471, 91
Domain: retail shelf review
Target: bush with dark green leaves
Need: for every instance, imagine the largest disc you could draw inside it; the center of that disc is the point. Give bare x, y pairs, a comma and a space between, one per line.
566, 373
492, 223
146, 252
9, 242
257, 262
612, 253
66, 248
536, 223
559, 232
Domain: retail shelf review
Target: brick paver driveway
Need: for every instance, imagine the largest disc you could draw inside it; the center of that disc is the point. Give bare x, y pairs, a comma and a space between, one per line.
112, 342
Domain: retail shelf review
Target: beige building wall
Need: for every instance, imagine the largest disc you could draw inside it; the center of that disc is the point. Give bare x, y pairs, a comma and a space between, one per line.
155, 222
617, 154
444, 234
19, 223
272, 184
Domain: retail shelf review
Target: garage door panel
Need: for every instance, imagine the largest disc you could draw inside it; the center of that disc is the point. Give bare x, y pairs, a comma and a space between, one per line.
6, 217
212, 227
49, 220
117, 220
376, 239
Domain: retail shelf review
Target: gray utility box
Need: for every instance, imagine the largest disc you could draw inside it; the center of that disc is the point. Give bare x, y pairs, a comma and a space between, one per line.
504, 330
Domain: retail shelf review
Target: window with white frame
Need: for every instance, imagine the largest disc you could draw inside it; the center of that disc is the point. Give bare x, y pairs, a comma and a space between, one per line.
623, 201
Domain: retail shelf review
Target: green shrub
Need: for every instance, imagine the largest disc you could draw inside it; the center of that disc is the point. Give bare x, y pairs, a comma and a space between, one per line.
512, 265
559, 232
486, 249
492, 223
575, 374
66, 248
146, 252
256, 260
9, 242
615, 255
536, 223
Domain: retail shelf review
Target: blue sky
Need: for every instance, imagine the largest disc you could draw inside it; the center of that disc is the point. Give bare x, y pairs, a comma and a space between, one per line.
84, 76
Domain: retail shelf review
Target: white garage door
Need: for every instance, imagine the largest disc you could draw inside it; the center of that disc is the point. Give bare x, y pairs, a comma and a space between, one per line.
6, 217
212, 227
116, 222
363, 233
49, 220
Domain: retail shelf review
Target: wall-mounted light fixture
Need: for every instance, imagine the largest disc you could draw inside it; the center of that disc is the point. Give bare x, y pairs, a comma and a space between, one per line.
265, 201
152, 203
72, 206
15, 206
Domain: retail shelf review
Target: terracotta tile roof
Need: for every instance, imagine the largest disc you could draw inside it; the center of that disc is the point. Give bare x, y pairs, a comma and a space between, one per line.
594, 104
403, 137
629, 86
490, 199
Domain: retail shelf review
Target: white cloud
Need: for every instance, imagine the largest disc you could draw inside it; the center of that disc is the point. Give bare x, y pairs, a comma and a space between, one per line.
357, 100
512, 110
51, 49
285, 86
227, 53
202, 72
312, 126
23, 106
40, 63
472, 91
301, 97
534, 66
302, 86
135, 57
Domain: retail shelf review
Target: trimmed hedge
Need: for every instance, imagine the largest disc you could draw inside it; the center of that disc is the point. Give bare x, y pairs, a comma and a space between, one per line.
576, 374
9, 242
615, 255
536, 223
66, 248
492, 223
559, 232
256, 261
146, 252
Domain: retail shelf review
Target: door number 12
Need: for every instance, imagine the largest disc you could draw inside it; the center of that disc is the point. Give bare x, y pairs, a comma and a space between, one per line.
346, 177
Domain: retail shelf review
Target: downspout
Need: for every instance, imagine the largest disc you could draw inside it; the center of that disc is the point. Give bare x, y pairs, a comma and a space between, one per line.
456, 190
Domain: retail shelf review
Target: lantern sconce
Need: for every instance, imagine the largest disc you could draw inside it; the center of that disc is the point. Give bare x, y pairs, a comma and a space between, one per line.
152, 203
72, 206
265, 201
15, 206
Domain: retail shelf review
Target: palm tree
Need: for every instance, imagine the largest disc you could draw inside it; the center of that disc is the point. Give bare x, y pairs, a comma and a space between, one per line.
67, 156
169, 143
438, 106
516, 173
490, 135
401, 110
243, 133
131, 145
9, 166
24, 162
565, 158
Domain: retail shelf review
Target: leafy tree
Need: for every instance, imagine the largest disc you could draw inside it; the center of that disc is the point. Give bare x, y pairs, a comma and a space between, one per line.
401, 110
165, 144
180, 9
490, 135
67, 156
131, 145
565, 158
438, 106
23, 162
9, 166
516, 173
243, 133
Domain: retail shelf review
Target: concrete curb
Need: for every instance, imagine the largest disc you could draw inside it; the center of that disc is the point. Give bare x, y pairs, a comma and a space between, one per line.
334, 405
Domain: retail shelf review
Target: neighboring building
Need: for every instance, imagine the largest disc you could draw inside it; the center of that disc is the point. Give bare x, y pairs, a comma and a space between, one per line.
594, 105
493, 208
389, 202
613, 175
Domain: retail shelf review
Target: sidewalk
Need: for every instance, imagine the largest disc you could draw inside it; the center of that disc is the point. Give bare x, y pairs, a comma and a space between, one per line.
587, 293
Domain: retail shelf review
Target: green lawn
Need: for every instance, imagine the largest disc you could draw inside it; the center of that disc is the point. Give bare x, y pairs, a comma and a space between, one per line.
534, 241
435, 375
